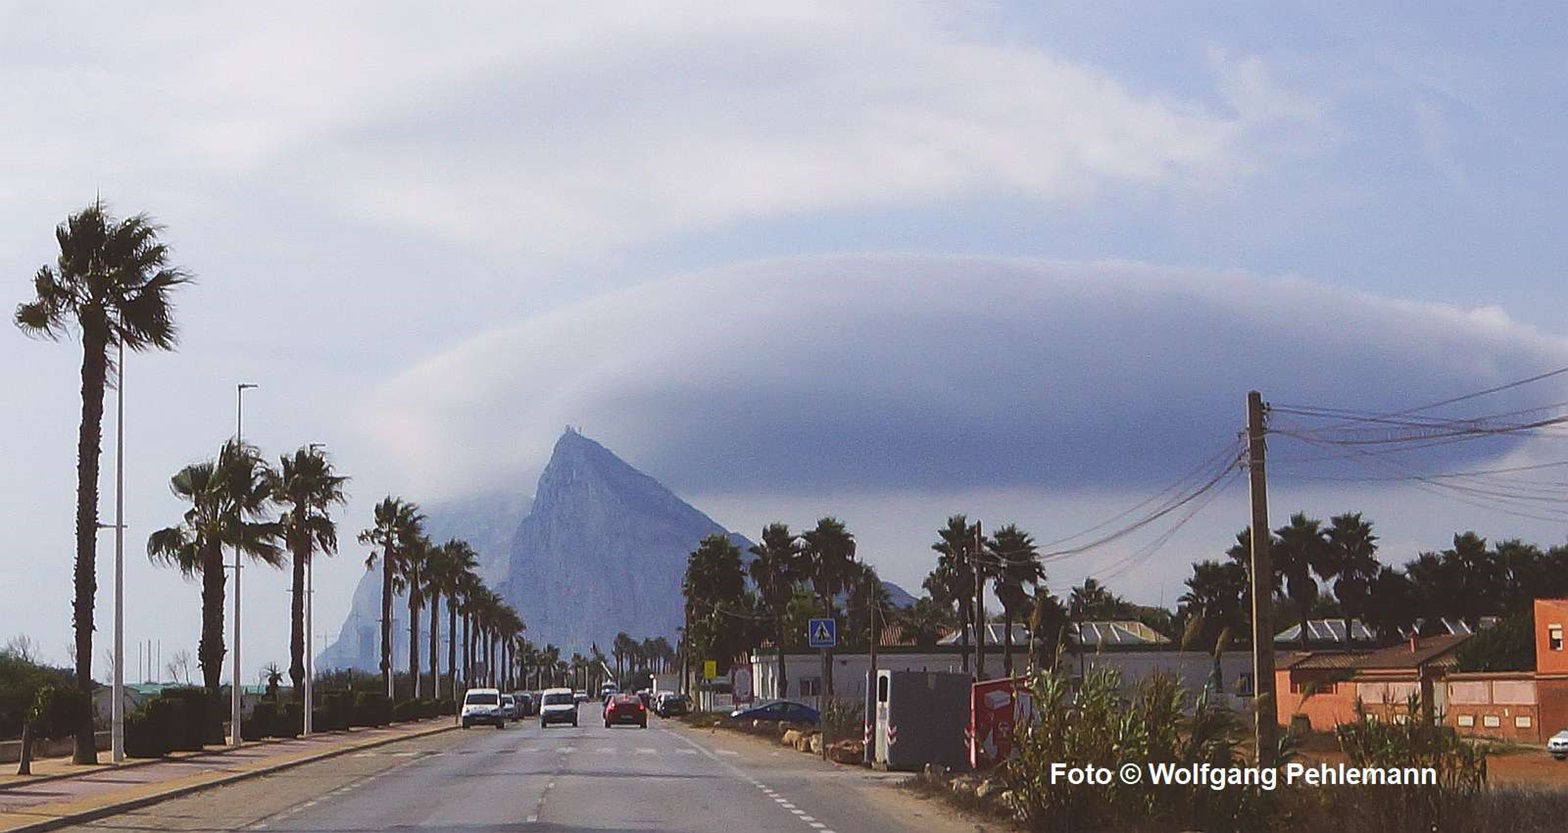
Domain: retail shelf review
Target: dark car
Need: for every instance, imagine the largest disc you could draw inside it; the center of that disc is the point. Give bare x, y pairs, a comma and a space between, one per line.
625, 708
670, 705
780, 710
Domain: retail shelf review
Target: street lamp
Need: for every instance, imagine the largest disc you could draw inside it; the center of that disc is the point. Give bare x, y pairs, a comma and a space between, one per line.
310, 597
117, 708
234, 700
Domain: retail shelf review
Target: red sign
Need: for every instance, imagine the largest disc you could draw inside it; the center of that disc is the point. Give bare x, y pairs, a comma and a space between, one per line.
995, 707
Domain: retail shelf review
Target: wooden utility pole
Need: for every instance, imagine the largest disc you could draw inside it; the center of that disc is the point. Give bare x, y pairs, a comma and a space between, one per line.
1266, 720
978, 560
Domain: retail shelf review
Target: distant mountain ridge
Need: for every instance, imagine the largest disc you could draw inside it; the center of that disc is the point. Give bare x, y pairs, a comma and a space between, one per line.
600, 549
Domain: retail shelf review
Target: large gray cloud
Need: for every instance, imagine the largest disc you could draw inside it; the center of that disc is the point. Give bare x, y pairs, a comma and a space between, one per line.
926, 374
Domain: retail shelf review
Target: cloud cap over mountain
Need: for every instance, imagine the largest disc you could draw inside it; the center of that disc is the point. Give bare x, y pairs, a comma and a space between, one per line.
882, 373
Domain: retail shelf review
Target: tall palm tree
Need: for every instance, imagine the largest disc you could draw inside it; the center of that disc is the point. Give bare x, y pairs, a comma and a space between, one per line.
307, 486
229, 499
621, 648
952, 582
111, 284
1353, 553
1215, 613
398, 525
411, 567
776, 571
1017, 561
443, 576
1301, 553
829, 551
714, 588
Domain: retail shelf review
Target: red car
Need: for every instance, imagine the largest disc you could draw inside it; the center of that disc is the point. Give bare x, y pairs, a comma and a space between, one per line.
625, 708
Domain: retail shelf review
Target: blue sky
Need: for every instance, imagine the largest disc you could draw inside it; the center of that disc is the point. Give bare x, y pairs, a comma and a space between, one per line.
888, 261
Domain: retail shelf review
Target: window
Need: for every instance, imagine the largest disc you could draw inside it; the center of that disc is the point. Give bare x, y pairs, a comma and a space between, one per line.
1466, 720
1244, 685
1522, 722
1491, 721
1554, 637
811, 686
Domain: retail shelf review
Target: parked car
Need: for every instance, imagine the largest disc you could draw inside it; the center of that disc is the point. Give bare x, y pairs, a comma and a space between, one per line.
625, 708
526, 705
580, 696
483, 705
670, 704
780, 710
508, 707
557, 706
1557, 747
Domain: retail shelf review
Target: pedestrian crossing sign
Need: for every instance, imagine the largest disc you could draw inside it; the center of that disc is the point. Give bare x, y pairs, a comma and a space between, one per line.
822, 633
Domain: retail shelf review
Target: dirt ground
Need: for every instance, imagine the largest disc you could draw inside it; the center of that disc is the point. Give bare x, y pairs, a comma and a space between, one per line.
1513, 766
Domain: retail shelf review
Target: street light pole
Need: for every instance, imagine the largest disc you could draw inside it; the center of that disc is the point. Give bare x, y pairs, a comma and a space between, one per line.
310, 672
117, 710
234, 700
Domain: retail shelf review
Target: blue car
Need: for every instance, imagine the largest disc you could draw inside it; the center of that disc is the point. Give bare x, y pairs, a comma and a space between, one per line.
780, 710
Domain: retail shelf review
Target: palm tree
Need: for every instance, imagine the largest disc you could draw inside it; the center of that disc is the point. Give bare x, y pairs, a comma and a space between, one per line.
229, 499
411, 568
621, 648
829, 552
308, 487
443, 577
926, 622
714, 588
398, 526
112, 284
777, 571
1301, 553
1018, 564
1353, 555
952, 582
1214, 610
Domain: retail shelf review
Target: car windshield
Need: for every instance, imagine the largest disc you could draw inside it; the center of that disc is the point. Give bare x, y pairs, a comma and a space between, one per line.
558, 699
481, 699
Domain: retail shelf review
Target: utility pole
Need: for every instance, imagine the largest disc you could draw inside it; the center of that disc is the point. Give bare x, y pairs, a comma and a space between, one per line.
1266, 721
978, 561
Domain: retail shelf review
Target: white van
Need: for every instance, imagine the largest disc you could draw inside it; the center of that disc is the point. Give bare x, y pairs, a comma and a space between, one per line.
483, 705
557, 705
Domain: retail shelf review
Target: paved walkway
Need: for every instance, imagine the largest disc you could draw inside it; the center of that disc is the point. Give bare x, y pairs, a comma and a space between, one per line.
61, 793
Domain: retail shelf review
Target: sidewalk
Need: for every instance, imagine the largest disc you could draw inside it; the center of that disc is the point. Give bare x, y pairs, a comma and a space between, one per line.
60, 793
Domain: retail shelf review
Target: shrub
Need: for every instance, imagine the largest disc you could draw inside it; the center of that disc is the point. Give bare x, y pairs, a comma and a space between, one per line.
20, 680
200, 720
259, 724
288, 721
371, 708
150, 732
338, 707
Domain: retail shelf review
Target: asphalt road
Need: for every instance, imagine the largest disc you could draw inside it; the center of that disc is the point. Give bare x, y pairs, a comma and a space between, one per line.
589, 778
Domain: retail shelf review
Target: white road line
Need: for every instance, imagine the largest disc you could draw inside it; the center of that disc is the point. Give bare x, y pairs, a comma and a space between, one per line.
565, 749
647, 750
728, 752
809, 819
605, 749
687, 751
818, 825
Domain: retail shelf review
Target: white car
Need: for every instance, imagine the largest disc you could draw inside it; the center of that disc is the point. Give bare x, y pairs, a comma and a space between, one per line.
1557, 747
483, 705
557, 705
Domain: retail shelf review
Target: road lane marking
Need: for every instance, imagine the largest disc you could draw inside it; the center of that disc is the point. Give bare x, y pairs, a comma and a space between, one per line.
647, 750
565, 749
728, 752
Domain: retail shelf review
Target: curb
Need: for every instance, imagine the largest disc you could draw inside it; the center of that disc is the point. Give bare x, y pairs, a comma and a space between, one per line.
157, 798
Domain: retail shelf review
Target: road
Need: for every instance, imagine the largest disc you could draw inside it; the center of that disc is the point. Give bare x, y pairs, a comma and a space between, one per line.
667, 777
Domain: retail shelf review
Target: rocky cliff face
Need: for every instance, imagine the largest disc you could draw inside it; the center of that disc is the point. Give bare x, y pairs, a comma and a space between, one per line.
487, 522
603, 551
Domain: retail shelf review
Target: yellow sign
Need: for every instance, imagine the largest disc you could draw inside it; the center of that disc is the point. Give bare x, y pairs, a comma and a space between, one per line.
710, 668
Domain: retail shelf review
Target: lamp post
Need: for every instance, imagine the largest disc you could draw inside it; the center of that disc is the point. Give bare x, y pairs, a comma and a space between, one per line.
234, 700
117, 709
310, 672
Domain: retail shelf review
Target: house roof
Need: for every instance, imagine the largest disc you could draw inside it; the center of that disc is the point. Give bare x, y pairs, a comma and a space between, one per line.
1329, 631
1427, 650
1431, 650
1124, 632
994, 635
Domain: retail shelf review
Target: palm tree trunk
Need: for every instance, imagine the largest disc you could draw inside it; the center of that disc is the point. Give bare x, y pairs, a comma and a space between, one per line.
1007, 644
778, 637
88, 450
451, 647
386, 620
210, 650
435, 645
413, 637
297, 619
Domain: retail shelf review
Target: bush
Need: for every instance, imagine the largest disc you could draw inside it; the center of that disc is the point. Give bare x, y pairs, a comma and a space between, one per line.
259, 724
406, 710
20, 680
371, 708
335, 712
149, 733
288, 721
201, 720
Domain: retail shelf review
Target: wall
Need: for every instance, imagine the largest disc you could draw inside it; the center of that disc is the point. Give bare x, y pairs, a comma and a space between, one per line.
1316, 694
1508, 700
1551, 658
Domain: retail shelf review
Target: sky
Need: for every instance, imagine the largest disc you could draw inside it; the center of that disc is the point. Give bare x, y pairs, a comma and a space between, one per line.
886, 261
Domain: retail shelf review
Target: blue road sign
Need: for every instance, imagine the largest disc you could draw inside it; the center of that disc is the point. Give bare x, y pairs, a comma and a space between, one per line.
822, 633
